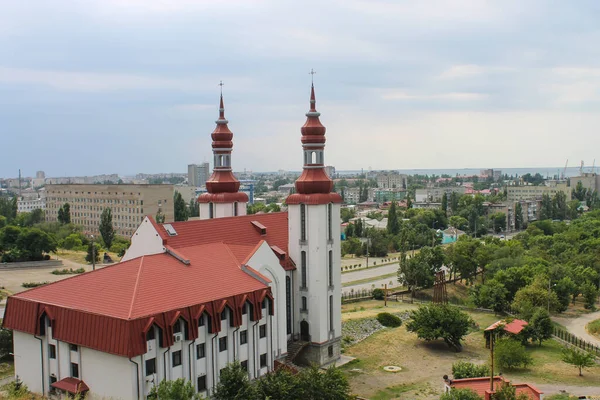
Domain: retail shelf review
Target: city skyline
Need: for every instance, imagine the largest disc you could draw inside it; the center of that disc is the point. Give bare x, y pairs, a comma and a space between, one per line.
128, 87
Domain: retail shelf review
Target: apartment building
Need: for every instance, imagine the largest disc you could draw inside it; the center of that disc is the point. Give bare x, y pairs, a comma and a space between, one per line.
589, 180
530, 192
435, 194
198, 174
30, 200
391, 181
129, 204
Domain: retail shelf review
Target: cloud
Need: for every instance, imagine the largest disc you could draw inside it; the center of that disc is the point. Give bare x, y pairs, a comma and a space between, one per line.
455, 96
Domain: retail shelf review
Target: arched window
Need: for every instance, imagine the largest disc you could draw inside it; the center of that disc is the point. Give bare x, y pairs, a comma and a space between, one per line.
302, 221
303, 269
288, 303
210, 211
313, 156
235, 209
330, 268
329, 221
331, 313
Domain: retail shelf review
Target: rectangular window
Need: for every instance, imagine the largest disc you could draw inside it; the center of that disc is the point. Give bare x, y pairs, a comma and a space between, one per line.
243, 337
329, 221
51, 351
244, 309
303, 268
150, 366
330, 313
330, 268
304, 303
75, 370
263, 360
200, 351
244, 365
73, 347
223, 343
150, 334
177, 327
176, 358
224, 314
262, 330
330, 351
302, 221
202, 383
201, 320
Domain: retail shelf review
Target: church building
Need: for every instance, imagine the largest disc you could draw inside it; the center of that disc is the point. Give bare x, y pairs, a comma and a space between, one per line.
190, 297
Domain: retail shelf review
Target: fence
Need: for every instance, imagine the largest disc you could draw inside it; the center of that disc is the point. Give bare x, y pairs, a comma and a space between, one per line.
357, 295
576, 341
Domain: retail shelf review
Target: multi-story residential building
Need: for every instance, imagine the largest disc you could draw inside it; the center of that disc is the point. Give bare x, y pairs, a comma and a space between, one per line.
435, 194
531, 192
391, 181
198, 174
330, 171
383, 195
190, 297
352, 195
31, 200
589, 180
129, 204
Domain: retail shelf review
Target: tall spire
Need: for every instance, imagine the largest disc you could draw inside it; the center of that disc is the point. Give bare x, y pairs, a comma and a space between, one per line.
314, 181
222, 182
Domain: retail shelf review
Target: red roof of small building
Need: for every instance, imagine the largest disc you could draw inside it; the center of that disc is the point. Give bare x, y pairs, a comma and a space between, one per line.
71, 385
515, 326
481, 385
110, 309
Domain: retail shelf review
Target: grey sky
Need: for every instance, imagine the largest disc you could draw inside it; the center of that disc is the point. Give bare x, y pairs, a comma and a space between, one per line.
128, 86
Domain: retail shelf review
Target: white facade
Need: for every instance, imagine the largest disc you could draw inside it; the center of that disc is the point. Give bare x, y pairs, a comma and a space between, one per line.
314, 243
28, 205
145, 241
220, 210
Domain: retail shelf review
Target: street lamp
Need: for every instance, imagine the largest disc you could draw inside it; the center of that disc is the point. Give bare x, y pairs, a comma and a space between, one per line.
93, 254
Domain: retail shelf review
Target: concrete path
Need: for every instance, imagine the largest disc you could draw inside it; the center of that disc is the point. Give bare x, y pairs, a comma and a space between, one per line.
550, 389
576, 326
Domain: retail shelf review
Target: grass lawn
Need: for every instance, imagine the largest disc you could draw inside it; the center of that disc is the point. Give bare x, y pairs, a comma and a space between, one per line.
7, 369
594, 327
79, 256
424, 363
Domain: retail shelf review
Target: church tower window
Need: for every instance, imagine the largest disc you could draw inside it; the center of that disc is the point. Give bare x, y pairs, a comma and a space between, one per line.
303, 269
302, 222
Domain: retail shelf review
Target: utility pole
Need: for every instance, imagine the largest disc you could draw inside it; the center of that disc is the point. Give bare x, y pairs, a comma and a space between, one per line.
93, 254
492, 359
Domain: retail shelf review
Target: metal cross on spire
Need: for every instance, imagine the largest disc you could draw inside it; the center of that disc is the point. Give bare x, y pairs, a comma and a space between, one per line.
221, 84
312, 75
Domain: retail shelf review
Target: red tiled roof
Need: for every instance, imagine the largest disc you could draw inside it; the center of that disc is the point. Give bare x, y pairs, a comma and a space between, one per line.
482, 385
71, 385
108, 309
235, 231
515, 326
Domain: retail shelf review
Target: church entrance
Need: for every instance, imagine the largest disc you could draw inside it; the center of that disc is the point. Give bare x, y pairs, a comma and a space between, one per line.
304, 331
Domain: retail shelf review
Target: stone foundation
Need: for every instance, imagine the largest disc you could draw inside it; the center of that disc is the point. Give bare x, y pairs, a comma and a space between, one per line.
321, 353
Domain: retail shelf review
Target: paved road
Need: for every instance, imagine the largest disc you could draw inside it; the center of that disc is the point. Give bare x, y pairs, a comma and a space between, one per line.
369, 273
577, 326
558, 388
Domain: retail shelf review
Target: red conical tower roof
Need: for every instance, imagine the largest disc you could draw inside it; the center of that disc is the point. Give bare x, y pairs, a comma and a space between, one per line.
222, 186
314, 186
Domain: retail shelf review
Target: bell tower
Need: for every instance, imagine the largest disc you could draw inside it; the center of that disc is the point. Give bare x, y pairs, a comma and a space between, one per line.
223, 198
314, 244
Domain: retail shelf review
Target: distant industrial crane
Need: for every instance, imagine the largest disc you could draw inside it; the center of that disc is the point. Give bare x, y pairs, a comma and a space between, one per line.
581, 169
564, 174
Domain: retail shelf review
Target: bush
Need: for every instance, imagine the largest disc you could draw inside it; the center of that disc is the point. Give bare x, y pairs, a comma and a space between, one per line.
33, 284
510, 354
69, 271
460, 394
463, 369
389, 320
378, 294
435, 321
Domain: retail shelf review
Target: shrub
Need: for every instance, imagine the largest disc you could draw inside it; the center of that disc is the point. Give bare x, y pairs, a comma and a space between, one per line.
460, 394
33, 284
389, 320
511, 354
378, 294
594, 327
463, 369
69, 271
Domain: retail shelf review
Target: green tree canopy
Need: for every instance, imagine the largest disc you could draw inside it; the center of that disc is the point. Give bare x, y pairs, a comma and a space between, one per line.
578, 358
181, 211
106, 227
179, 389
432, 322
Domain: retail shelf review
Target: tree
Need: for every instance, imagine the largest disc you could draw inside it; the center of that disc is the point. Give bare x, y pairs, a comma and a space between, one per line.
193, 208
6, 343
509, 354
462, 369
179, 389
313, 384
393, 224
519, 216
590, 295
233, 383
564, 289
280, 384
491, 295
64, 214
408, 202
435, 321
577, 358
92, 253
509, 392
106, 227
445, 203
546, 207
460, 394
160, 217
181, 212
461, 256
559, 206
415, 272
458, 222
528, 298
579, 192
498, 221
35, 242
540, 326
